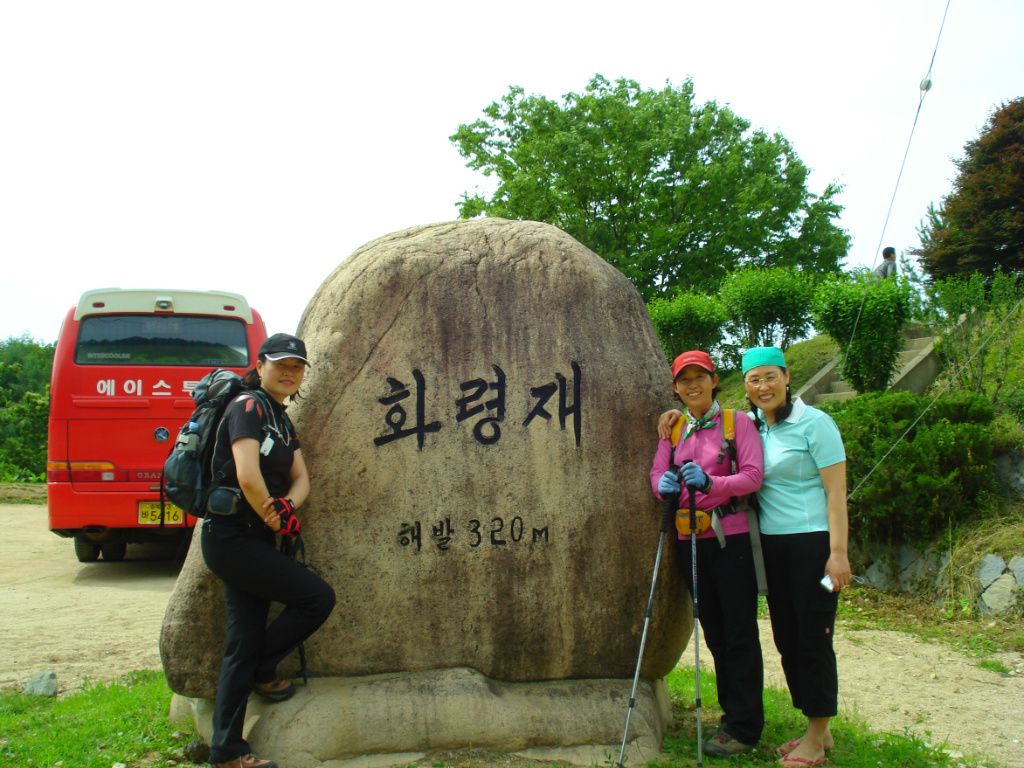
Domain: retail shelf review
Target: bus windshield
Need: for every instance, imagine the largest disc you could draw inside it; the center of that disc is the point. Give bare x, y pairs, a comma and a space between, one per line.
161, 340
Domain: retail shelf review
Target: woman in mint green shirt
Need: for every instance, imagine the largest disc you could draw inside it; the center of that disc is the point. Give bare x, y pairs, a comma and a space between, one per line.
804, 530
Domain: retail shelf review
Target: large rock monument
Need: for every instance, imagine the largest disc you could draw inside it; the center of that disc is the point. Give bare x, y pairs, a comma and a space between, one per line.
478, 423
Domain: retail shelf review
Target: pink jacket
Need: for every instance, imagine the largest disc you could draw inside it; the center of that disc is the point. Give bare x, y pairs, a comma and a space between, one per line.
702, 447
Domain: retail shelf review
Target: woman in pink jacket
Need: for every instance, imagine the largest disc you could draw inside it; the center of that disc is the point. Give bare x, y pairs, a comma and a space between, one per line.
726, 578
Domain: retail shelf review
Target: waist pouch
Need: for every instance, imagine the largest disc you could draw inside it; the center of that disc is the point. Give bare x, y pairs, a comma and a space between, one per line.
712, 519
224, 501
704, 520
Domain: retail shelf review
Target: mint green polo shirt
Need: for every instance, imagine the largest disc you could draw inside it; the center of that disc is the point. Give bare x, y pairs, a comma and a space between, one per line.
792, 496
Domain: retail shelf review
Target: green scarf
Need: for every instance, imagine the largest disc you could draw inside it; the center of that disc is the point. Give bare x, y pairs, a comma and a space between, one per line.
694, 424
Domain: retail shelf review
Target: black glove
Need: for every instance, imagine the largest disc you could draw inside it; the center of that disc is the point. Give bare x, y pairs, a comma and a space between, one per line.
289, 522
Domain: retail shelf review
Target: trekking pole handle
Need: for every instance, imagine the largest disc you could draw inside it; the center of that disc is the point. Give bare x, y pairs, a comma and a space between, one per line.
692, 490
668, 512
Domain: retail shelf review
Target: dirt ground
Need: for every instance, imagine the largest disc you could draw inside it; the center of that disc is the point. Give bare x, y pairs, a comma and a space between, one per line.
102, 620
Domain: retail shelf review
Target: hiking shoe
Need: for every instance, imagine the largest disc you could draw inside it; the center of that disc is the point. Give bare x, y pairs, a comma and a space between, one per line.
276, 690
724, 745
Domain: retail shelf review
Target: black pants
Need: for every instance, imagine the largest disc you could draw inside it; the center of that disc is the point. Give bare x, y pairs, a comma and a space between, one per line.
240, 550
727, 604
803, 618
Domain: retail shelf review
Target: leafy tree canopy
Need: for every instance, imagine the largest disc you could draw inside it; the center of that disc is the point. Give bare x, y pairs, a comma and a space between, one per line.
980, 226
24, 406
768, 306
687, 321
24, 366
676, 195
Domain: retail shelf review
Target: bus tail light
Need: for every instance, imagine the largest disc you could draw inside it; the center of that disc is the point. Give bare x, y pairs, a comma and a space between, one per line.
58, 472
96, 472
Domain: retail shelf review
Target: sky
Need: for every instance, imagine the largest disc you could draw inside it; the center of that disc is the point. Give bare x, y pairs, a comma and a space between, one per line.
252, 146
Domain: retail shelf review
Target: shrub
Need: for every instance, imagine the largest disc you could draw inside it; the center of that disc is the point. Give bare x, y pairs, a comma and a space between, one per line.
768, 307
971, 316
688, 321
23, 427
865, 316
1007, 434
939, 471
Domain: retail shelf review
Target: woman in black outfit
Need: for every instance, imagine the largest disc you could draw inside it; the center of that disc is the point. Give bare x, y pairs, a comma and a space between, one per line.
256, 442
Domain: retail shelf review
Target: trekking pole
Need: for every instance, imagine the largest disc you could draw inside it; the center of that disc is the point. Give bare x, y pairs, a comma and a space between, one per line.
692, 490
668, 514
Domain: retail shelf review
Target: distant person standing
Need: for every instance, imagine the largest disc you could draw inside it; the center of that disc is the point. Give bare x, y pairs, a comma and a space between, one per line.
888, 266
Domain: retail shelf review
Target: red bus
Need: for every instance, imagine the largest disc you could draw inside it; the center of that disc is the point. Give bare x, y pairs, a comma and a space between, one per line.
124, 367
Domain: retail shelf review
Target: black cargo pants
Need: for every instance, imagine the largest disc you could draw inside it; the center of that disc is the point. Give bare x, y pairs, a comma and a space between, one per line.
727, 599
240, 550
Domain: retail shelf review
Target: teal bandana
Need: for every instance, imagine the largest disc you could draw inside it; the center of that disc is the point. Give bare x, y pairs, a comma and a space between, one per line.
694, 424
757, 356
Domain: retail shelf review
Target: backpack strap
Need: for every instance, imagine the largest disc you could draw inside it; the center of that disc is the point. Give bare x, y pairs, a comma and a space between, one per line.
677, 430
266, 414
728, 439
269, 422
746, 504
755, 548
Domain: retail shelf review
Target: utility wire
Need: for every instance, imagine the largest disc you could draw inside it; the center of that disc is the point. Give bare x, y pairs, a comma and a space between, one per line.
926, 85
949, 383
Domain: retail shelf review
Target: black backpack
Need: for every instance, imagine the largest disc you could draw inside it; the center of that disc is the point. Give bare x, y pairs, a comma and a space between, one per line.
189, 475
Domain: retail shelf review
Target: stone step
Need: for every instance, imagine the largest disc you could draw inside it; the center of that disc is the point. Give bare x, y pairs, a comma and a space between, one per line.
835, 396
914, 354
919, 343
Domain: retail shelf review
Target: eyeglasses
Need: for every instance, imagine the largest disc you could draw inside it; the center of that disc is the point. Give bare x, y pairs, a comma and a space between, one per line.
771, 380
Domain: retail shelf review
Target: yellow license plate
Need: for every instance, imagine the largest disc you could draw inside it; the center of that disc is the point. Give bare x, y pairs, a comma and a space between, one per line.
149, 513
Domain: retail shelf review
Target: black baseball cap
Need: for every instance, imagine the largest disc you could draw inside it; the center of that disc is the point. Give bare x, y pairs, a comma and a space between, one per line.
282, 345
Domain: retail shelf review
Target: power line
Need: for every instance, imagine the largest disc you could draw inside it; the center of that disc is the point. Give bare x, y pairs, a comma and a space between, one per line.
949, 383
926, 85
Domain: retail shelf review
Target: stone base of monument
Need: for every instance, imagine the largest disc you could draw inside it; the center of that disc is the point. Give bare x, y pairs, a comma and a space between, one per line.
395, 719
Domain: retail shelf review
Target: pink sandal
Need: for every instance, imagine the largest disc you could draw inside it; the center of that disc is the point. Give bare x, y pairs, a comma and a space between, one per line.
788, 747
802, 761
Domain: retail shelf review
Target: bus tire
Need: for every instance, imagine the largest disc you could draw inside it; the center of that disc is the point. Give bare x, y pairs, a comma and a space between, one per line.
86, 551
113, 551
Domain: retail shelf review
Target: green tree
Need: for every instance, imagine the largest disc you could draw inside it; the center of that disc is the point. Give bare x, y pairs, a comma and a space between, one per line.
687, 321
25, 366
865, 316
23, 437
768, 306
980, 225
674, 194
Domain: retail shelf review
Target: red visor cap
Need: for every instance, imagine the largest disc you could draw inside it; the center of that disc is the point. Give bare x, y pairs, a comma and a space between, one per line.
695, 357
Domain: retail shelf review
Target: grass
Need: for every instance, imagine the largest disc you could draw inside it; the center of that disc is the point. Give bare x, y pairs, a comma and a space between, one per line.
1002, 534
856, 745
96, 727
22, 493
971, 633
951, 614
993, 666
804, 359
125, 722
